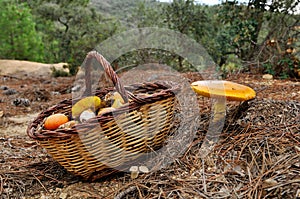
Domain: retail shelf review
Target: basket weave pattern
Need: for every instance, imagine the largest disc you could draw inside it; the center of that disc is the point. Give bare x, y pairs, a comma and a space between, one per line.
113, 140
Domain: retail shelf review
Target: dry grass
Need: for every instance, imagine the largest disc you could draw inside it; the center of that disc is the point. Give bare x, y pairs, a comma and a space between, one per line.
257, 156
250, 161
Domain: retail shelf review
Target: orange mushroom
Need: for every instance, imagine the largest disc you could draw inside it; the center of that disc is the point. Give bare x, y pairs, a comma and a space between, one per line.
220, 88
54, 121
219, 91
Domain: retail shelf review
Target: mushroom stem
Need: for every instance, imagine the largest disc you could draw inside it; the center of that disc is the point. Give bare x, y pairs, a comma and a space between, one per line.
219, 109
215, 127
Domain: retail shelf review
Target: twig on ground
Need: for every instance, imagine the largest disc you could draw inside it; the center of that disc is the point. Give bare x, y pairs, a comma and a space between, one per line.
123, 193
40, 183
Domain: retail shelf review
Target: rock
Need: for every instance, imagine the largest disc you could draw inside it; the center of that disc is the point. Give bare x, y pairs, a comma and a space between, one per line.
21, 102
29, 68
76, 88
3, 87
267, 76
63, 195
55, 93
9, 91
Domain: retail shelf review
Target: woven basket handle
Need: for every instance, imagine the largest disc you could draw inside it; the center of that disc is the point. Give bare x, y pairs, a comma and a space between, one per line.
108, 70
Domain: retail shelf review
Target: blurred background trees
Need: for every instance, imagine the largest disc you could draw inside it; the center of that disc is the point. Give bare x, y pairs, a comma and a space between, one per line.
70, 29
19, 38
256, 37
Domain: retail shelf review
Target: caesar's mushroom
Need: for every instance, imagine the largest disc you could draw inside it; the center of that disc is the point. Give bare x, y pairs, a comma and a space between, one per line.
219, 91
222, 90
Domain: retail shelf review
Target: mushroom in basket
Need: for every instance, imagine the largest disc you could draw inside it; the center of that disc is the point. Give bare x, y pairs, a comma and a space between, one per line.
88, 103
54, 121
115, 98
116, 101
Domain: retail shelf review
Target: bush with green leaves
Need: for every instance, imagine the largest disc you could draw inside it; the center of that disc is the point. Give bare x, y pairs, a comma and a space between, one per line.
19, 38
71, 29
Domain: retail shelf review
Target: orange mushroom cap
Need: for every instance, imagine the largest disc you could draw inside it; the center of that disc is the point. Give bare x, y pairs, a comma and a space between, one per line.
54, 121
220, 88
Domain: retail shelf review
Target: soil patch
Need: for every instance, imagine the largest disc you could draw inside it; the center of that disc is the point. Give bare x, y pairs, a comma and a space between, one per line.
257, 155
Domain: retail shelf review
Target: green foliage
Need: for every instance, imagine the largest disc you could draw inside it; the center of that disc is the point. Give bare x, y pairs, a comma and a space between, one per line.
283, 68
233, 64
145, 56
71, 29
187, 18
122, 10
154, 14
246, 29
239, 32
280, 46
269, 68
147, 15
232, 33
19, 38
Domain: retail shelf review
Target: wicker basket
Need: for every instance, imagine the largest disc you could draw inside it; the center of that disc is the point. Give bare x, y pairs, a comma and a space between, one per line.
111, 141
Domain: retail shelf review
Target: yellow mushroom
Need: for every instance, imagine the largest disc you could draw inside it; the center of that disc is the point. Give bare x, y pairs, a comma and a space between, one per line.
219, 91
219, 88
91, 102
117, 99
222, 90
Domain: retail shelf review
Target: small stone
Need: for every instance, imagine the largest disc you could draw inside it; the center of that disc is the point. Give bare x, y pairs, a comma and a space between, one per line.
55, 93
63, 195
267, 76
3, 87
21, 102
271, 182
9, 91
76, 88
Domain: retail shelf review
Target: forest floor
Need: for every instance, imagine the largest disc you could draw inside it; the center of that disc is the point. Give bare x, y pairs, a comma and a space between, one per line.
257, 156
